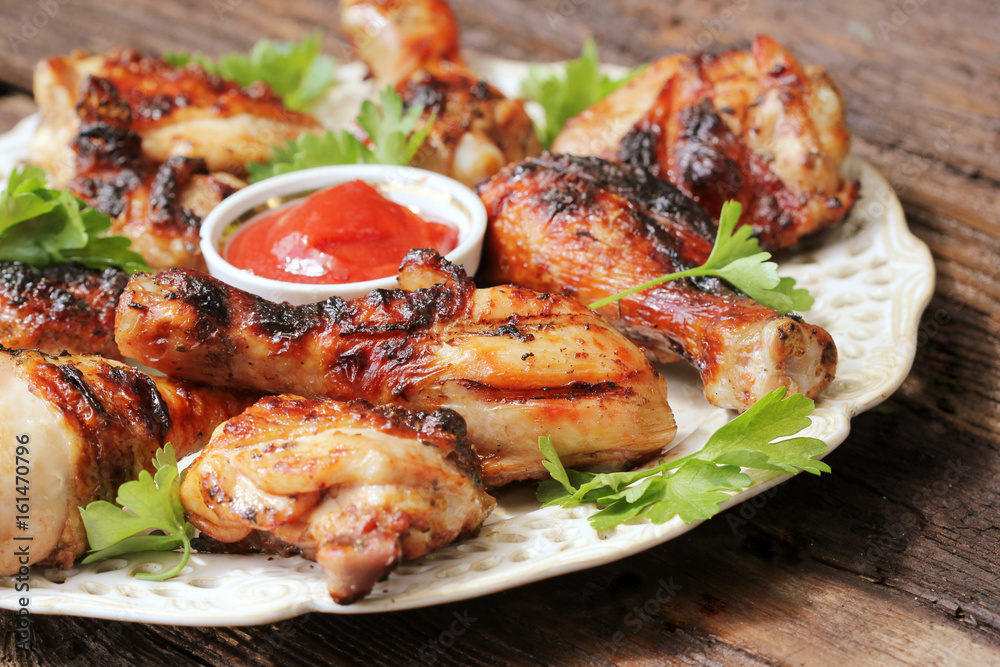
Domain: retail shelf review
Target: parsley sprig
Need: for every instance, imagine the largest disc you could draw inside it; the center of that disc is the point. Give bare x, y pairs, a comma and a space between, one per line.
43, 226
564, 92
391, 132
153, 504
693, 487
736, 258
297, 72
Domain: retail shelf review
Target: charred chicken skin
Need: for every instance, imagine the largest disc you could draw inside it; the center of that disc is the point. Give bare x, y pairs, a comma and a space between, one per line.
592, 228
174, 111
60, 308
754, 126
413, 46
355, 488
87, 424
153, 146
159, 206
514, 363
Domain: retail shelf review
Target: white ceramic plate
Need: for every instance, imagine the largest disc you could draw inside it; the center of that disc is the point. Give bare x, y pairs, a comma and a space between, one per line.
871, 278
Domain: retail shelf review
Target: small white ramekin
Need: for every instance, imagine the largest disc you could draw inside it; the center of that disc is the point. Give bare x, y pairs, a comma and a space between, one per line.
436, 196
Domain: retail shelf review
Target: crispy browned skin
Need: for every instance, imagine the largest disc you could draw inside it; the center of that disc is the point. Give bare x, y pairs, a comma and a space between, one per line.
60, 308
159, 206
592, 228
754, 126
476, 128
514, 363
357, 489
88, 424
398, 38
413, 45
154, 146
174, 112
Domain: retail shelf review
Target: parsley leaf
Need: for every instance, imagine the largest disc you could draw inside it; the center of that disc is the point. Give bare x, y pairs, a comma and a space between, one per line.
391, 132
693, 487
694, 492
309, 150
736, 258
153, 504
749, 439
297, 72
42, 227
564, 94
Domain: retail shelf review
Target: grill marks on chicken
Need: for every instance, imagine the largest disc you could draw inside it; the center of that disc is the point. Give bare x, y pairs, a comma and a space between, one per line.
752, 126
514, 363
153, 146
60, 308
159, 206
90, 424
173, 111
592, 228
159, 209
476, 129
355, 488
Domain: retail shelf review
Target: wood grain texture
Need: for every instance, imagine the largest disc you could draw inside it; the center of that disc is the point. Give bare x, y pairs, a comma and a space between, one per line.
892, 559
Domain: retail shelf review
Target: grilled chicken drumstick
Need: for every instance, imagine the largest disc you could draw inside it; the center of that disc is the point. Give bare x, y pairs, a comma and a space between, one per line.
87, 424
514, 363
60, 308
357, 489
592, 228
754, 126
413, 45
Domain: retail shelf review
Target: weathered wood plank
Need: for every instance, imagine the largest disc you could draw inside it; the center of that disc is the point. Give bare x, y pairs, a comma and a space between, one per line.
715, 596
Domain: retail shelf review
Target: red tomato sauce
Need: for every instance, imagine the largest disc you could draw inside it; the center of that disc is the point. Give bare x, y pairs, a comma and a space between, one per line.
344, 234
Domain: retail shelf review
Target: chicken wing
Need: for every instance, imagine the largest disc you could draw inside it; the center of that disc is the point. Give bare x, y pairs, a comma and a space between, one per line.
59, 308
752, 126
73, 429
413, 45
592, 228
514, 363
357, 489
173, 111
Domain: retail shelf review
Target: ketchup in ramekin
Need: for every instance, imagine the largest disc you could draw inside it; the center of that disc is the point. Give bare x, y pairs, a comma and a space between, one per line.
343, 234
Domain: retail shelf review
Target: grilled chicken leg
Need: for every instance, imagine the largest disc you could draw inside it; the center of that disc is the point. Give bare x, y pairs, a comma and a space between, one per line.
593, 228
357, 489
514, 363
86, 425
413, 46
60, 308
754, 126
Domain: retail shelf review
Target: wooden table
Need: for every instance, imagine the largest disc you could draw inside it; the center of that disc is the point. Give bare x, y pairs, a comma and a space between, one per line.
894, 558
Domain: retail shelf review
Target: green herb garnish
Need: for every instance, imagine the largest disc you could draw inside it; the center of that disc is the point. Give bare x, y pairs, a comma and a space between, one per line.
153, 504
566, 91
297, 72
42, 226
390, 131
736, 258
693, 486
